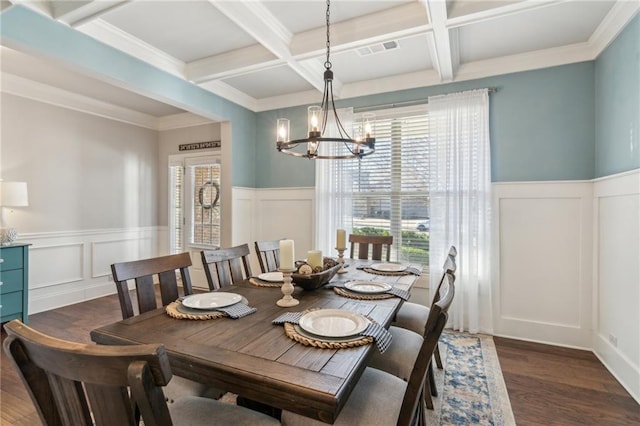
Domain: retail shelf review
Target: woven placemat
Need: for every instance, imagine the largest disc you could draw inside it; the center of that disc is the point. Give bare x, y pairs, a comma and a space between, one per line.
350, 294
293, 334
179, 311
260, 283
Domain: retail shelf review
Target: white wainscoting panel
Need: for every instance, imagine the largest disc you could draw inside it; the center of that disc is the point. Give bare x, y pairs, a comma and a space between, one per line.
244, 216
542, 253
616, 338
286, 213
104, 253
71, 267
59, 264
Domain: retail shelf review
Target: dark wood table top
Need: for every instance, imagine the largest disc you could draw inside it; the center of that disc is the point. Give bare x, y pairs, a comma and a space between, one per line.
254, 358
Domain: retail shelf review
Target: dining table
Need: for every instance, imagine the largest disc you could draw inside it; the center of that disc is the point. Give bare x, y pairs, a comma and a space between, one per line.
252, 357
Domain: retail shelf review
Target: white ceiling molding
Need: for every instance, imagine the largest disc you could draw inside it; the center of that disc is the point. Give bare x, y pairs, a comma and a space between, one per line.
580, 52
619, 16
508, 8
231, 64
75, 13
179, 121
125, 42
223, 90
443, 61
29, 89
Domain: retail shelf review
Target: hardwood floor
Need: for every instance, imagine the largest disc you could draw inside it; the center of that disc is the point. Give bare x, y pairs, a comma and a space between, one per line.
547, 385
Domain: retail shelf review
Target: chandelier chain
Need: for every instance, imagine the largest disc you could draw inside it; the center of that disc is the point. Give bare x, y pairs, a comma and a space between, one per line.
327, 64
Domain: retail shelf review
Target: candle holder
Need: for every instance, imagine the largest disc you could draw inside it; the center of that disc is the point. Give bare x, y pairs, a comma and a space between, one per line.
287, 288
341, 260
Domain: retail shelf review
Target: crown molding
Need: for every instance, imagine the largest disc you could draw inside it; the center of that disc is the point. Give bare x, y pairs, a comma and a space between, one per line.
40, 92
618, 17
29, 89
230, 93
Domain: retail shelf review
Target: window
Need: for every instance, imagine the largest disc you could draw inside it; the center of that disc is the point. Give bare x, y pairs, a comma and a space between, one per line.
391, 187
194, 203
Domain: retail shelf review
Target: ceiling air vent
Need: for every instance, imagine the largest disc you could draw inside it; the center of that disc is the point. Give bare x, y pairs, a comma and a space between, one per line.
378, 47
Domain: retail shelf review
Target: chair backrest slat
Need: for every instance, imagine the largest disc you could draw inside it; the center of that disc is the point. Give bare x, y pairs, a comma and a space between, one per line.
226, 266
84, 384
436, 321
143, 272
377, 244
268, 254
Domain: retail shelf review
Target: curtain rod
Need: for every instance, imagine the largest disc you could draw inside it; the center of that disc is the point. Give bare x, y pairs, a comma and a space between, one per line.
409, 103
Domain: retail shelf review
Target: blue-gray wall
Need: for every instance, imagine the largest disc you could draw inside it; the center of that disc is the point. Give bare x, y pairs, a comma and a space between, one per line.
34, 33
542, 127
617, 83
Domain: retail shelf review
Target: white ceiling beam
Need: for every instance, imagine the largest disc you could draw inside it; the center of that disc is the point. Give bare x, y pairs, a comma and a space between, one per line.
125, 42
257, 21
233, 63
443, 61
504, 9
76, 13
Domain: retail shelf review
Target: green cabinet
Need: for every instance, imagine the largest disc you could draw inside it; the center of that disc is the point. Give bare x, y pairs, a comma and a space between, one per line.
14, 282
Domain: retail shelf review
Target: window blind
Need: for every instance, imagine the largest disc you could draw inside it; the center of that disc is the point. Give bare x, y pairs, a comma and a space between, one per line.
391, 187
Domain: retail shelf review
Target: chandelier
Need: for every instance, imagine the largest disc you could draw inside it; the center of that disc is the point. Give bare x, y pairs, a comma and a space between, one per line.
317, 120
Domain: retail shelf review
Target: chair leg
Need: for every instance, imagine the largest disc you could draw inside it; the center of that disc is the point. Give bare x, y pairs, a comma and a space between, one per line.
432, 380
427, 395
436, 355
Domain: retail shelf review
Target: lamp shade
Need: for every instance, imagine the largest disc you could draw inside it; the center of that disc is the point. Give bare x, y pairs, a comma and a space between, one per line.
13, 194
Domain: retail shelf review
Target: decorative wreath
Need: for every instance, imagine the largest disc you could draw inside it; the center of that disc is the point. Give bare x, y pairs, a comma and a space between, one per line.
216, 197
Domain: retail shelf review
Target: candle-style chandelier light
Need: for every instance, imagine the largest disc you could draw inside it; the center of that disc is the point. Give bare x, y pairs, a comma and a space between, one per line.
317, 117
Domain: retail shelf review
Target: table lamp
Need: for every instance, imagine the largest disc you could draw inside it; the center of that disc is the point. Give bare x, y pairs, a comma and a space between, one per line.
12, 194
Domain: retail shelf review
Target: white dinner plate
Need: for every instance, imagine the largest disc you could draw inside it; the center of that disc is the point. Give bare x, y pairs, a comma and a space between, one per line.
315, 337
388, 267
333, 323
211, 300
371, 287
272, 277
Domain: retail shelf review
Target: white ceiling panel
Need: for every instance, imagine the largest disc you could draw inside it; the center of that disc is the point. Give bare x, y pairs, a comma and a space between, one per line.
270, 82
542, 28
186, 30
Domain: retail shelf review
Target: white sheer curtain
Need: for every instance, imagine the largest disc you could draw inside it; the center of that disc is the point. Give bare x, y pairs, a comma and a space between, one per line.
334, 188
460, 199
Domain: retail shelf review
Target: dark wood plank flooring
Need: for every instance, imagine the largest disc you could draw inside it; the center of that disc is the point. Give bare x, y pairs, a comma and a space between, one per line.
547, 385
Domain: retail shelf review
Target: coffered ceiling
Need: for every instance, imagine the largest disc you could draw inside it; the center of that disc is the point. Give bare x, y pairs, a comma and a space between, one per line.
270, 53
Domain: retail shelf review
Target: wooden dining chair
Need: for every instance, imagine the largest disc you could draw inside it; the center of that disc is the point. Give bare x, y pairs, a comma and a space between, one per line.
366, 244
144, 272
382, 398
413, 316
268, 254
406, 346
84, 384
226, 266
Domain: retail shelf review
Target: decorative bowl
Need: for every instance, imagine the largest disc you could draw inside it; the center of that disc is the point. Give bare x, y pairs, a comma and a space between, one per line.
314, 281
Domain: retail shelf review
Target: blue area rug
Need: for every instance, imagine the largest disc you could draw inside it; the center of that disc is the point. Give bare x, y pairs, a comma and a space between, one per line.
471, 389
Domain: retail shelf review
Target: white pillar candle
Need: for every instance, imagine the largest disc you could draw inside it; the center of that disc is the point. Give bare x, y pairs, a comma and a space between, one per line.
314, 258
286, 254
341, 239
